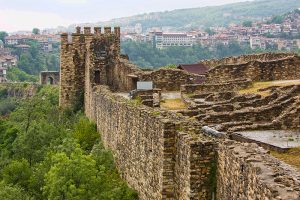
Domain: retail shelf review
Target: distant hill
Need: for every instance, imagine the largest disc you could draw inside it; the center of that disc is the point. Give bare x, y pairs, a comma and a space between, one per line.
210, 16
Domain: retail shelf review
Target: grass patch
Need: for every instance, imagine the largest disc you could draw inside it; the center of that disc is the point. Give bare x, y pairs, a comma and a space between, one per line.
261, 85
173, 104
291, 157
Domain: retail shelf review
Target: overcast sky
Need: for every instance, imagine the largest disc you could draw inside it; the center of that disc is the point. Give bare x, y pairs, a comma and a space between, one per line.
26, 14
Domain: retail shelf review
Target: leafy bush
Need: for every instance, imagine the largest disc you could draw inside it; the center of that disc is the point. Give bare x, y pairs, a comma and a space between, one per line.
7, 105
86, 133
9, 192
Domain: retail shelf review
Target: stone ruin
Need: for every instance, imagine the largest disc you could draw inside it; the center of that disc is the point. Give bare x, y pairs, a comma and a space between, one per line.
193, 153
49, 78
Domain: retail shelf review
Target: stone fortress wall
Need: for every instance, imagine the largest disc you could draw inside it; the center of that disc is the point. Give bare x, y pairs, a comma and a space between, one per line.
262, 67
161, 154
242, 59
92, 58
152, 150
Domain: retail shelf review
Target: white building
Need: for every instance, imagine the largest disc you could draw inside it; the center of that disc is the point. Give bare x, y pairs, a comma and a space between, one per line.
3, 75
1, 44
257, 42
161, 40
138, 28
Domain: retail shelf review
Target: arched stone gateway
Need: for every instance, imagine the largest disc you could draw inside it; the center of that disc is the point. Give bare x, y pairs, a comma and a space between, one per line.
49, 78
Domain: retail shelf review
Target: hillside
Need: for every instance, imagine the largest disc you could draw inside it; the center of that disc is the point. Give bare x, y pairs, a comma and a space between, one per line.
210, 16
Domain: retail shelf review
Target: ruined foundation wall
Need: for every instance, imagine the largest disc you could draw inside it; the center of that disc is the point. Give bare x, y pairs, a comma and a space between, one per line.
246, 58
282, 69
123, 76
151, 150
217, 87
51, 76
170, 79
194, 168
246, 171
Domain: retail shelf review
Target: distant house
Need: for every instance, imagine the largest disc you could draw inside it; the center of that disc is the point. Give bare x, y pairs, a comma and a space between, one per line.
45, 46
16, 39
1, 44
257, 42
3, 75
199, 69
23, 47
8, 61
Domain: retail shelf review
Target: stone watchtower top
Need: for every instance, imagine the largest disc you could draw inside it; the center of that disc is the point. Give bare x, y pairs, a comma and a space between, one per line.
87, 31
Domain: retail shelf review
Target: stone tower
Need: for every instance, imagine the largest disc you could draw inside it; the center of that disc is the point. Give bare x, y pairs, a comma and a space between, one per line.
87, 59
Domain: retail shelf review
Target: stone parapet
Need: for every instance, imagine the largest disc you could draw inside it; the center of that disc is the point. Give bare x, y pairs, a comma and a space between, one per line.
246, 171
154, 149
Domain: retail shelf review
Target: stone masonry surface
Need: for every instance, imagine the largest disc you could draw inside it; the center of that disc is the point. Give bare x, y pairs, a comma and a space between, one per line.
164, 154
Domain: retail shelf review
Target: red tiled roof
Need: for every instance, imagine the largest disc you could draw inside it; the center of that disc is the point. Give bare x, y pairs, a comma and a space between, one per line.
194, 68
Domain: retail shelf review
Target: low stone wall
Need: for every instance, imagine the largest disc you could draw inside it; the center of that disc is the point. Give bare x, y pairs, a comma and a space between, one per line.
170, 79
218, 87
280, 69
246, 171
18, 90
152, 150
246, 58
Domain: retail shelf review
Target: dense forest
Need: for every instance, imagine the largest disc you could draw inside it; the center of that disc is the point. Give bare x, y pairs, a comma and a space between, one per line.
145, 56
32, 62
50, 153
210, 16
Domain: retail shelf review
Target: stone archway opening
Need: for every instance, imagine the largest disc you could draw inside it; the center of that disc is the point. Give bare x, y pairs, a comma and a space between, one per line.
49, 78
50, 81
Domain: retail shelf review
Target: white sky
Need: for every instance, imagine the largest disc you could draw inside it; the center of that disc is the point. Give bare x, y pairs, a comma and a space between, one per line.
26, 14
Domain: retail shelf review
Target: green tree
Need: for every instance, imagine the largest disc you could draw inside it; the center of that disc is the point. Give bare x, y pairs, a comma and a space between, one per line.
3, 34
17, 172
41, 155
209, 31
247, 23
86, 133
74, 177
278, 19
8, 192
36, 31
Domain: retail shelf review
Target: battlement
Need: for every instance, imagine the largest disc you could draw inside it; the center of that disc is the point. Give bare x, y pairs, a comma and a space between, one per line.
87, 51
67, 38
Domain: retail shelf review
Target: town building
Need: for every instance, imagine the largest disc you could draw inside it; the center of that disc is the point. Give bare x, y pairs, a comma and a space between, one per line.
161, 40
3, 78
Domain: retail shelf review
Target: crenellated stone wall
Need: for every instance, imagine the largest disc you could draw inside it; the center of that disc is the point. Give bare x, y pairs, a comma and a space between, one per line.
93, 58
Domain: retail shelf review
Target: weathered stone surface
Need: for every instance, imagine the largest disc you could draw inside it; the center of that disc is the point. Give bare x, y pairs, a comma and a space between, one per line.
251, 175
165, 155
153, 154
49, 77
280, 67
